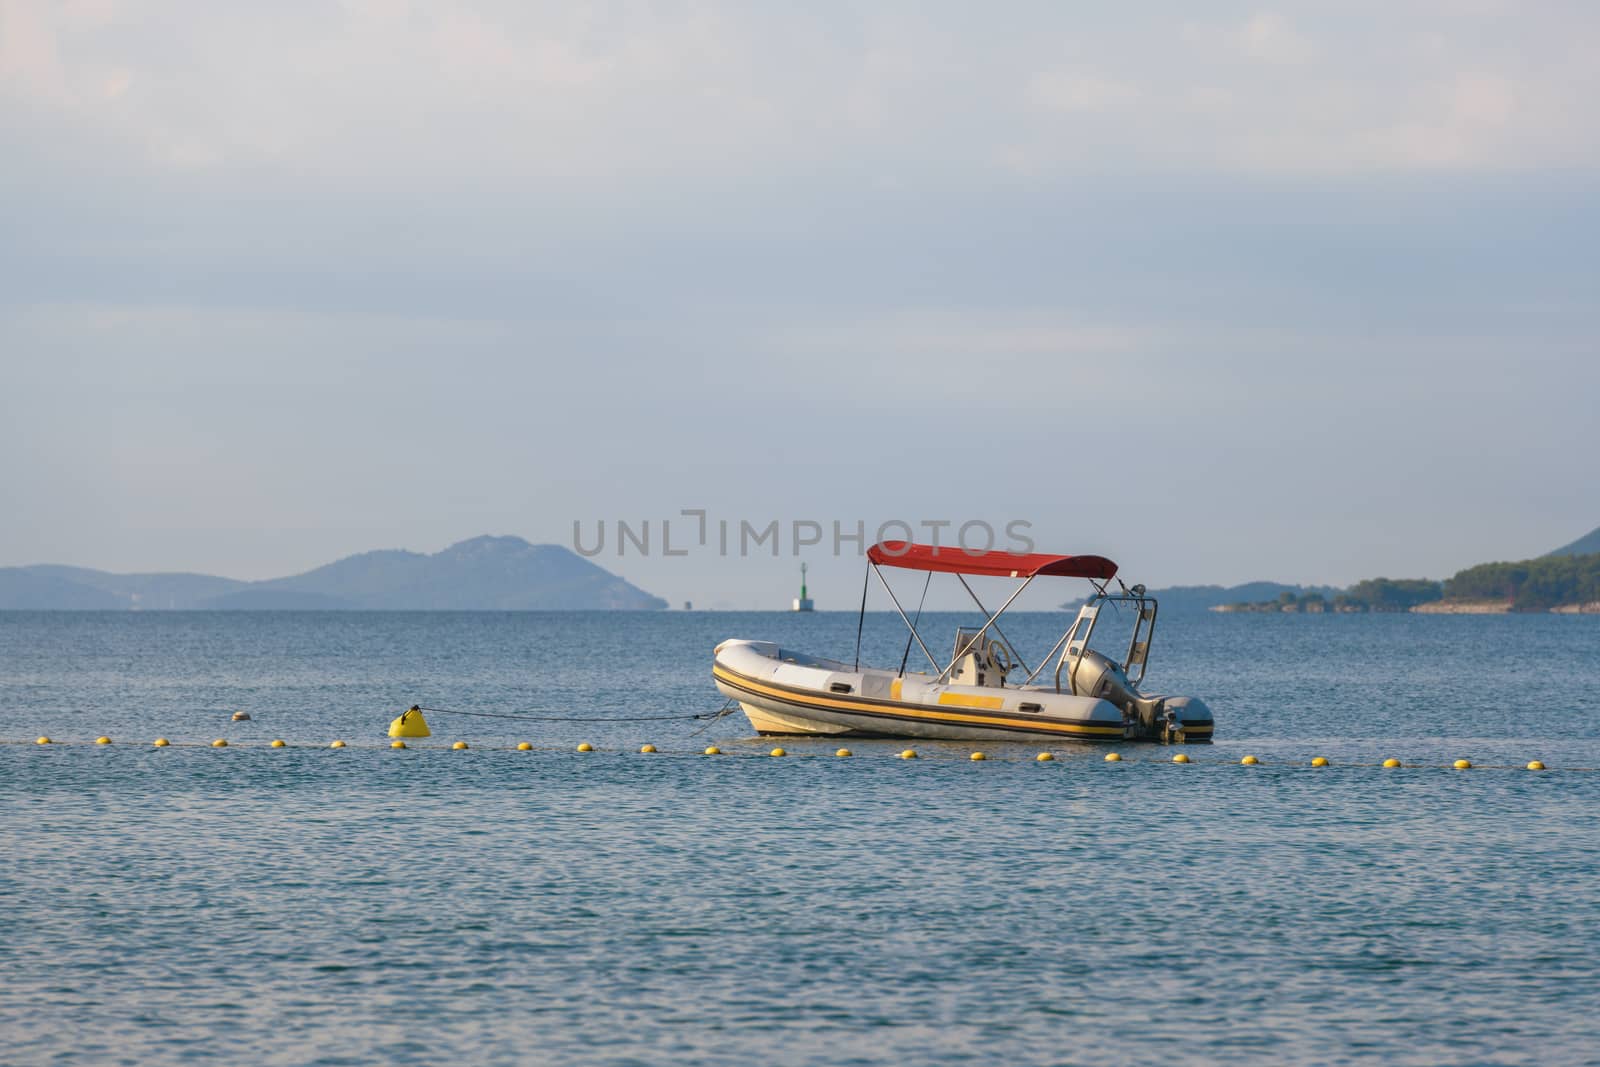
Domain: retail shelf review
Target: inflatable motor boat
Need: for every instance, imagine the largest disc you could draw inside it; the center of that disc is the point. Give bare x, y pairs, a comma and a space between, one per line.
1090, 696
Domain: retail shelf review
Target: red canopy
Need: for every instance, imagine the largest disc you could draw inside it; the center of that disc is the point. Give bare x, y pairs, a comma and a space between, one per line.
955, 560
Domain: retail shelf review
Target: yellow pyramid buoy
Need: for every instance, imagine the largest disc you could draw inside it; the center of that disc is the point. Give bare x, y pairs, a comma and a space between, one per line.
909, 753
459, 746
102, 740
410, 724
162, 742
1536, 766
713, 750
976, 756
1180, 758
1046, 757
777, 752
280, 743
1319, 761
647, 748
43, 741
219, 743
843, 753
1392, 762
1112, 757
397, 744
1462, 765
524, 746
1249, 761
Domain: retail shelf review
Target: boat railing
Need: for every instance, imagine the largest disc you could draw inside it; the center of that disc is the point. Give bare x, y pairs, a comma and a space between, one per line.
1074, 643
1144, 632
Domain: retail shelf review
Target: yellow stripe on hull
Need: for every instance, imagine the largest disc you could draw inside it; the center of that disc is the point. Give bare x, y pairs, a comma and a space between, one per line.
917, 711
965, 701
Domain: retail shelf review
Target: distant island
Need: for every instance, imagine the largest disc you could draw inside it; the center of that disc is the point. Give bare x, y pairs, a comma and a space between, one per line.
1565, 581
1374, 594
480, 574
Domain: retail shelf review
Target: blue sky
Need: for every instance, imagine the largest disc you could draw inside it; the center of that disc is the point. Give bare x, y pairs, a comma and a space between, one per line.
1297, 291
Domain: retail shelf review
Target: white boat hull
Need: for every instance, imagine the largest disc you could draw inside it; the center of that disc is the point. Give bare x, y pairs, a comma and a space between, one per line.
769, 721
784, 692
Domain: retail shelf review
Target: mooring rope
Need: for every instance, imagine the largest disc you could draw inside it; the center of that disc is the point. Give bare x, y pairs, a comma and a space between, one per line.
567, 718
727, 709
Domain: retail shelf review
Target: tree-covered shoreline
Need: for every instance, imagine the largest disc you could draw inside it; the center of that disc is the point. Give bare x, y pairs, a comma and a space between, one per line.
1532, 585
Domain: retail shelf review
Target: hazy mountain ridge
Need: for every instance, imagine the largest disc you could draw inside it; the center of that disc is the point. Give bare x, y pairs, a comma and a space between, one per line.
480, 574
1566, 579
1187, 598
22, 590
1587, 545
168, 590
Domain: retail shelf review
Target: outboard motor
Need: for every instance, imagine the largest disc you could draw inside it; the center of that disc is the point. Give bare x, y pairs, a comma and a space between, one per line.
1172, 719
1099, 676
1103, 678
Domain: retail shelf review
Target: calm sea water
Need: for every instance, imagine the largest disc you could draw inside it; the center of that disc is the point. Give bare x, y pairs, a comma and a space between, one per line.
310, 905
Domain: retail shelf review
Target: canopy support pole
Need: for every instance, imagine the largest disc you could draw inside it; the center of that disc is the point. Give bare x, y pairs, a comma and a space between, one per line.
931, 661
1020, 661
1048, 656
907, 653
983, 629
861, 619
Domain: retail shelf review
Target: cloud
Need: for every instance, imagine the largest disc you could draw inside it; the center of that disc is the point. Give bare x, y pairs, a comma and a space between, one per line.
1419, 87
579, 91
30, 63
1076, 92
1268, 37
1271, 239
